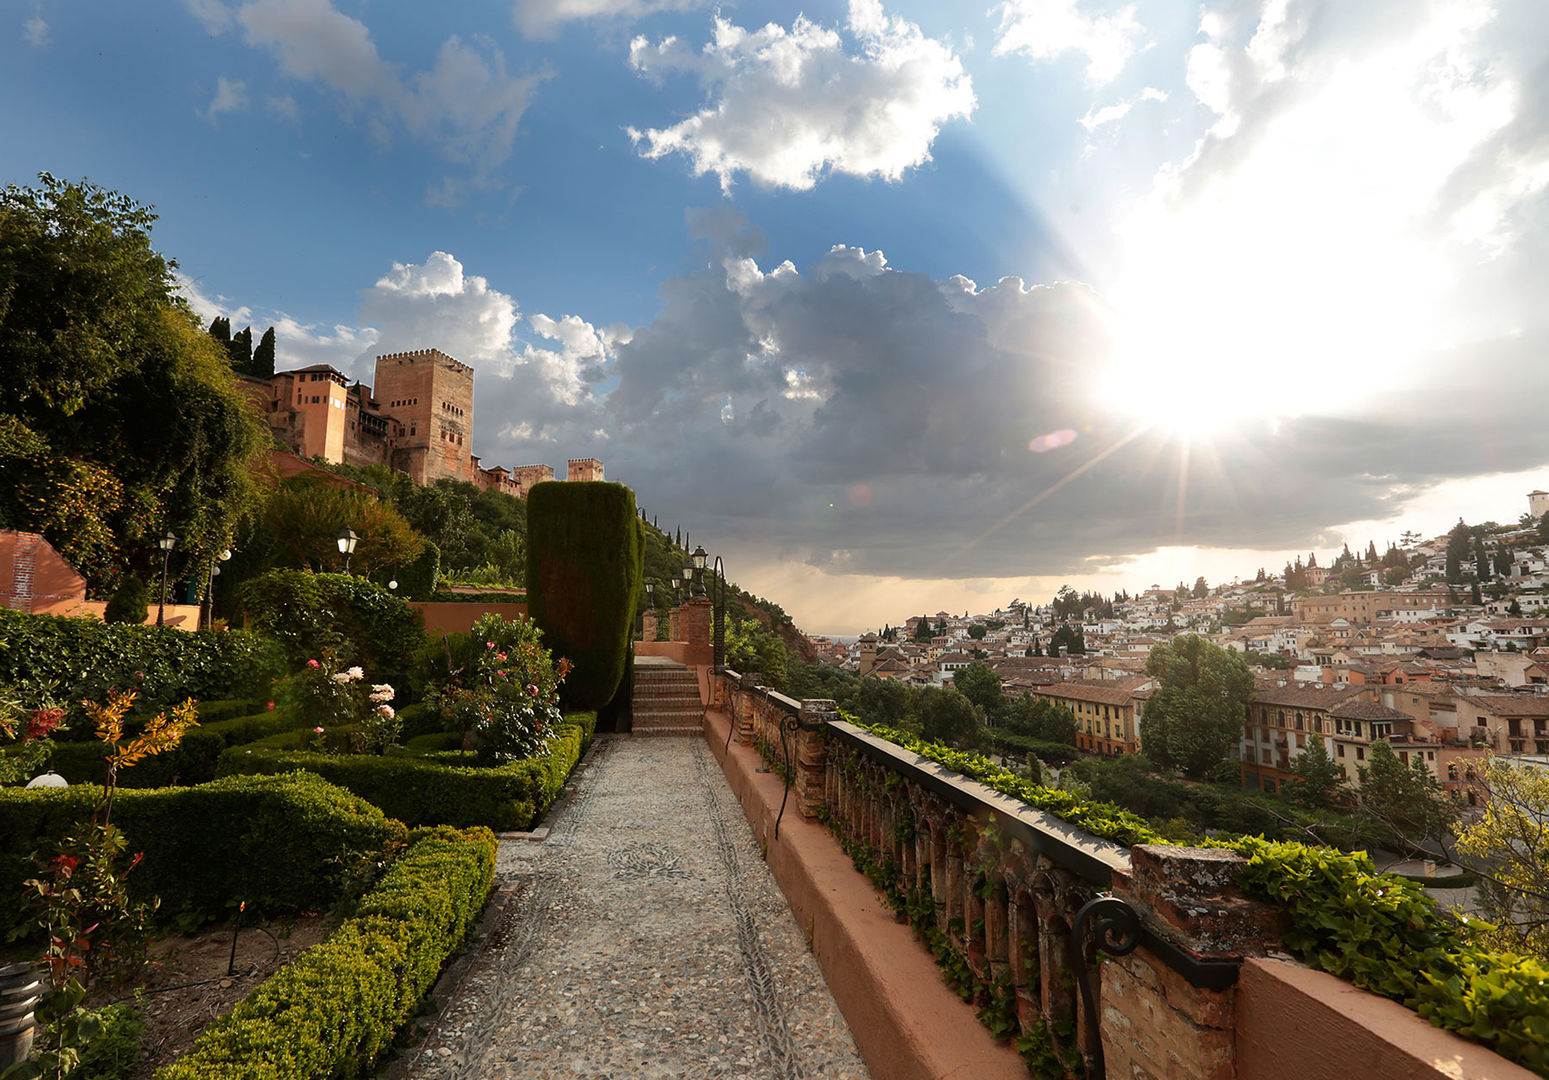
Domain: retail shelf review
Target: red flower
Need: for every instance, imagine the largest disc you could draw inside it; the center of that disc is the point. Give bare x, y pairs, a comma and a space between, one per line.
532, 688
44, 722
313, 663
66, 863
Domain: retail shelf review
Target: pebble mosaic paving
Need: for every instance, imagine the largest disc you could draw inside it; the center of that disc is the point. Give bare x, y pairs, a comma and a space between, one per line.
646, 938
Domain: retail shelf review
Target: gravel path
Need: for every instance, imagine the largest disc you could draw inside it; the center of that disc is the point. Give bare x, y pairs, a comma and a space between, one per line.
646, 938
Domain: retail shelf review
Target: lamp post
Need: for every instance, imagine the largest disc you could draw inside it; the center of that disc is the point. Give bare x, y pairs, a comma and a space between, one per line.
166, 543
718, 594
207, 616
347, 542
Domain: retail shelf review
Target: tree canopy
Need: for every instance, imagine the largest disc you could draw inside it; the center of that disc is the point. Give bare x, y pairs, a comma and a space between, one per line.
119, 415
1194, 717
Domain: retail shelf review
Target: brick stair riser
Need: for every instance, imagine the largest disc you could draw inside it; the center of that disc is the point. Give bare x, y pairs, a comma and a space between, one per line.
675, 701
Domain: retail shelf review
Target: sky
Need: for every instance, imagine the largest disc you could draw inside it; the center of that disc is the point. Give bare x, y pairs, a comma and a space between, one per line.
896, 306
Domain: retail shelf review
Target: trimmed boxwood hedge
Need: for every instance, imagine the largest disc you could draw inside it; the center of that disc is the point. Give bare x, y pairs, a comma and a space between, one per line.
192, 761
585, 561
281, 843
438, 788
334, 1010
83, 658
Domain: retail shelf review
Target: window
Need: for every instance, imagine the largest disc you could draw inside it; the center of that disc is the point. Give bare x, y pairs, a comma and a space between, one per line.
1360, 753
1340, 748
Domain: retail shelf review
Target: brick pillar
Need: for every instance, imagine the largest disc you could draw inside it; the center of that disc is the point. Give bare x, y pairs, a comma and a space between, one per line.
812, 756
744, 701
648, 621
695, 621
1152, 1017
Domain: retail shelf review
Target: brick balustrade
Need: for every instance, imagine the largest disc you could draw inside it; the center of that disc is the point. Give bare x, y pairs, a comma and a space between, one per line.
1000, 890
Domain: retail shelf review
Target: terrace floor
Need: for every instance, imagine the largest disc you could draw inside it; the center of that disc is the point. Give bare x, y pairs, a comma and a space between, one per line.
643, 937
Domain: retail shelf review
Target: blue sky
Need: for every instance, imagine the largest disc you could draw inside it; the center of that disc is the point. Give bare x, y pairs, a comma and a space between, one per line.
1264, 268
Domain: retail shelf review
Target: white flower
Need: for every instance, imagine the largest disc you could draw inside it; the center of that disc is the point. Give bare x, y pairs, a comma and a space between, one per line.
353, 674
342, 677
386, 711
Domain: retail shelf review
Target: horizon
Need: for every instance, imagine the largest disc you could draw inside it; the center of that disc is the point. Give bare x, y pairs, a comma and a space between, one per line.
939, 310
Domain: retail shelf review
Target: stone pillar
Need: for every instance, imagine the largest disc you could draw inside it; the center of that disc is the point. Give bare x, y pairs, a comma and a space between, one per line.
811, 757
648, 621
1152, 1017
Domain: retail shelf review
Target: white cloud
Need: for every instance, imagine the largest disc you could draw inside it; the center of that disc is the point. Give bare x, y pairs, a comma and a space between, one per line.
466, 104
213, 14
230, 96
35, 31
1047, 29
541, 18
788, 104
436, 304
1357, 177
1110, 114
283, 108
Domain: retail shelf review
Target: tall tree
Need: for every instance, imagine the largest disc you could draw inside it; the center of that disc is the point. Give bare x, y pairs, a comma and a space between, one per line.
262, 365
1407, 799
1458, 540
1195, 715
1201, 589
1317, 780
981, 686
123, 418
1371, 553
1481, 560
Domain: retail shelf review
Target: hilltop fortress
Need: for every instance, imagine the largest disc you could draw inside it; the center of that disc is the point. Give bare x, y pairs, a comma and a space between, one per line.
418, 419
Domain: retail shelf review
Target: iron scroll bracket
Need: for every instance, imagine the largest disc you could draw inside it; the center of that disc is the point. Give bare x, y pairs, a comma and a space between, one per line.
791, 725
1108, 923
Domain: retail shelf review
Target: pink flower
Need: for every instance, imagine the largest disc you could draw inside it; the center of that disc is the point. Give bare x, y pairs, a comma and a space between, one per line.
489, 644
532, 688
500, 656
313, 663
317, 731
385, 710
271, 706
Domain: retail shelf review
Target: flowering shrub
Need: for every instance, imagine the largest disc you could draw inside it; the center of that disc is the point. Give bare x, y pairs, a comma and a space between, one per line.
503, 689
31, 728
330, 698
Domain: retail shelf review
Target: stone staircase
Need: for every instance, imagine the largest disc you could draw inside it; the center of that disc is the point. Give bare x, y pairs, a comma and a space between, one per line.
666, 701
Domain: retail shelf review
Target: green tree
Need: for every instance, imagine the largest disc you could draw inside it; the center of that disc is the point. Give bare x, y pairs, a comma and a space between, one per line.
948, 717
1508, 846
123, 418
1407, 799
751, 646
1317, 781
129, 603
262, 364
301, 522
1195, 715
1459, 540
981, 686
1040, 718
977, 631
1481, 560
1201, 588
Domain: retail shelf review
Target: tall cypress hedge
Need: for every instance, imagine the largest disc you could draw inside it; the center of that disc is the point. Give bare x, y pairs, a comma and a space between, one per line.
585, 562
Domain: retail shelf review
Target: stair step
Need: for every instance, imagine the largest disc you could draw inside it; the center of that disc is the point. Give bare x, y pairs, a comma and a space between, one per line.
647, 730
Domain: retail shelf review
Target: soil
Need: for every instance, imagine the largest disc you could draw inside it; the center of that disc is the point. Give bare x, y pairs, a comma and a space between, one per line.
187, 985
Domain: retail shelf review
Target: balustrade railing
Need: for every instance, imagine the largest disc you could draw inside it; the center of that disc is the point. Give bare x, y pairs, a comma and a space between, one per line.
1018, 905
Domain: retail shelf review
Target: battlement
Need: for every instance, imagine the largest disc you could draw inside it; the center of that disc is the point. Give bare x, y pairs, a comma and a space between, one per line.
583, 469
436, 355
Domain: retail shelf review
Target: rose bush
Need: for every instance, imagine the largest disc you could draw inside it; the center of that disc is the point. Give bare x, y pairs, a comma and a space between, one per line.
331, 698
501, 687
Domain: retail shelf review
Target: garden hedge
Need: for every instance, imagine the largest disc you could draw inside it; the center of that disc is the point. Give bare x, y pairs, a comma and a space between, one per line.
585, 561
192, 761
309, 613
281, 843
75, 659
334, 1010
437, 788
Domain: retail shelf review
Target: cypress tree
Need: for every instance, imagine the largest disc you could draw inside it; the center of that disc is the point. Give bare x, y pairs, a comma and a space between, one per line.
129, 603
241, 349
220, 329
263, 357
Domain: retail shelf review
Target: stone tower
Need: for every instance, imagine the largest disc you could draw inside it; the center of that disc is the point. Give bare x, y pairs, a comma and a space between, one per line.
585, 469
431, 397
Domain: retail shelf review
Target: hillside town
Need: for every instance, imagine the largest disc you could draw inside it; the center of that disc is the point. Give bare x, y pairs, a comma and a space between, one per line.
1439, 646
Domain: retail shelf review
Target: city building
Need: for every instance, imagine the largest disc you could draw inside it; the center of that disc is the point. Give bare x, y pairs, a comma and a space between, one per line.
417, 420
